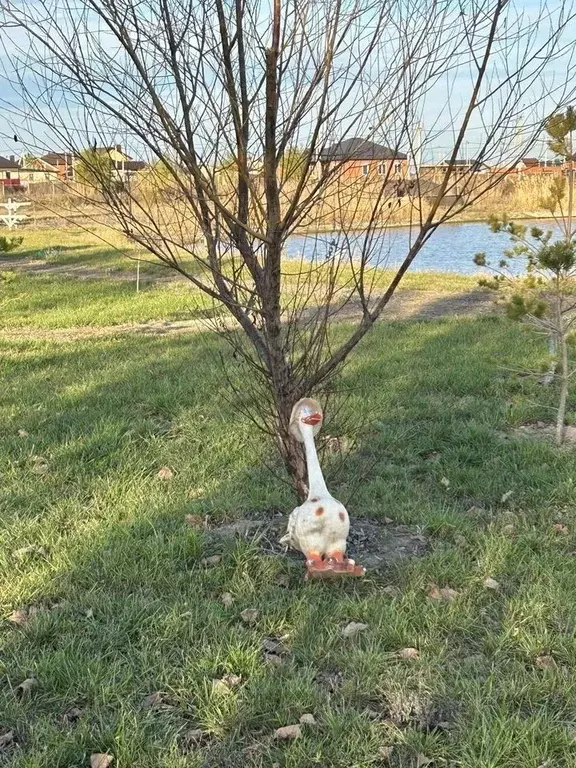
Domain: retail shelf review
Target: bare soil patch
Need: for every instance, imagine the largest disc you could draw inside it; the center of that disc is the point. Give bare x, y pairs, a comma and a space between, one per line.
373, 544
544, 430
405, 305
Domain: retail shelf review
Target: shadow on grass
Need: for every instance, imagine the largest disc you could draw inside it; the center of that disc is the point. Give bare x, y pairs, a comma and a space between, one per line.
139, 612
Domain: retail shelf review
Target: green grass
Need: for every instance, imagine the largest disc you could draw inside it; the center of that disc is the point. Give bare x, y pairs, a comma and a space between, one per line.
29, 301
138, 613
100, 248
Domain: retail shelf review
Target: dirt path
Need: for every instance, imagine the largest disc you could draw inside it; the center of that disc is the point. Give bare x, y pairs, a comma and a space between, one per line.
405, 305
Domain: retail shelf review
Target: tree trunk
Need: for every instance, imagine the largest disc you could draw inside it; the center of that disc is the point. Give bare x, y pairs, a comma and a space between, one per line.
291, 450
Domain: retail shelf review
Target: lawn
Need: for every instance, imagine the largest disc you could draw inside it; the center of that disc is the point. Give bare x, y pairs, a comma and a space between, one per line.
96, 542
31, 296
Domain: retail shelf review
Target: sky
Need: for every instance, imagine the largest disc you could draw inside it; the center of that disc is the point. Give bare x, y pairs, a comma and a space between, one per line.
435, 114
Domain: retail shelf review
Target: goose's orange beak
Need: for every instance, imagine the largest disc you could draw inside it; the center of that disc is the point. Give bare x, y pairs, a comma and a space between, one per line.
313, 420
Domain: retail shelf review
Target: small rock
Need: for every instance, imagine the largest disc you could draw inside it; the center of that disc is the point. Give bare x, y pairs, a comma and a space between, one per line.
388, 521
6, 739
210, 562
250, 615
385, 752
89, 613
409, 654
391, 591
546, 662
288, 733
445, 482
273, 659
101, 760
491, 583
165, 474
26, 686
283, 580
227, 600
23, 433
422, 760
353, 628
307, 719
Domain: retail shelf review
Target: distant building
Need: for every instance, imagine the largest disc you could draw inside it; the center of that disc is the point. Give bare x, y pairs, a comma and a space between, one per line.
63, 163
358, 158
533, 166
9, 173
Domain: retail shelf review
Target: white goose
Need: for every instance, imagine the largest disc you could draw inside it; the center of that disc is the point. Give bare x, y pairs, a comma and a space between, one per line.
319, 527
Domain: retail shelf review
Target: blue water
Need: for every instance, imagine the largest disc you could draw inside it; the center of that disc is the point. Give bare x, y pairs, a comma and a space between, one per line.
450, 249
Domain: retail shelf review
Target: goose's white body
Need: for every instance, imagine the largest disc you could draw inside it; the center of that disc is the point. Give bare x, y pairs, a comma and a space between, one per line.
319, 526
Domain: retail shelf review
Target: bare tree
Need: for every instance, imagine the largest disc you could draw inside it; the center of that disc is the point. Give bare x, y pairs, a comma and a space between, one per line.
244, 106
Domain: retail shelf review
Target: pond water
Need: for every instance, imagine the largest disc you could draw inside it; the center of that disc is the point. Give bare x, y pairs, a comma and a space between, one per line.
450, 249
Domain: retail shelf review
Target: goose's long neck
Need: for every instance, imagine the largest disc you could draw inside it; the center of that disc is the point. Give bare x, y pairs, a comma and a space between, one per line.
316, 483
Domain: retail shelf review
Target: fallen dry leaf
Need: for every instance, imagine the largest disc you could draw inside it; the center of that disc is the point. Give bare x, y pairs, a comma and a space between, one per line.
448, 594
193, 738
72, 716
195, 521
508, 530
30, 551
219, 687
211, 561
250, 615
18, 617
409, 654
385, 752
6, 739
275, 645
434, 593
100, 760
561, 529
506, 496
307, 719
26, 686
165, 474
422, 760
288, 732
227, 600
353, 628
23, 433
491, 583
232, 680
153, 701
546, 662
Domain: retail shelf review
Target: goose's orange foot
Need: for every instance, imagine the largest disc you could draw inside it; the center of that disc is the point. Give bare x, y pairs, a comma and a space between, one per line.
344, 566
332, 568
